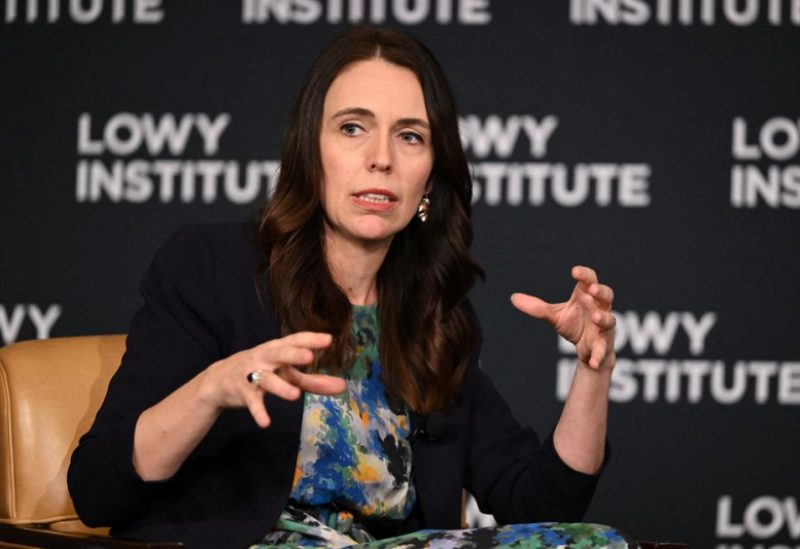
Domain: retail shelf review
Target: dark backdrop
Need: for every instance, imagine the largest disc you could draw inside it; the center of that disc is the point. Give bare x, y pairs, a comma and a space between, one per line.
655, 140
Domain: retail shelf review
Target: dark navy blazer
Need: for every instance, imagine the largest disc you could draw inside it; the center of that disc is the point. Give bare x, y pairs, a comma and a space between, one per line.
201, 305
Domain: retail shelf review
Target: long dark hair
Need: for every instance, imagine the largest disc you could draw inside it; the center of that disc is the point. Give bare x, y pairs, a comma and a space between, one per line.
427, 333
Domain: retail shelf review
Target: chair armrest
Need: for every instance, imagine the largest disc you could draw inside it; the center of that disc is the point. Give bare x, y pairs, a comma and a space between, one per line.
40, 536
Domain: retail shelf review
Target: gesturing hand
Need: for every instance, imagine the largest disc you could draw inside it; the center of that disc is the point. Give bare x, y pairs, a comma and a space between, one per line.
585, 319
275, 361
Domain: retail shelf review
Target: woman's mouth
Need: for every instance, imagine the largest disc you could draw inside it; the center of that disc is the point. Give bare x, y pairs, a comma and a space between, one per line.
376, 200
372, 197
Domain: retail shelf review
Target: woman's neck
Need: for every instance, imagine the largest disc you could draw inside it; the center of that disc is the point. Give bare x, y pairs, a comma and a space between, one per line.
354, 267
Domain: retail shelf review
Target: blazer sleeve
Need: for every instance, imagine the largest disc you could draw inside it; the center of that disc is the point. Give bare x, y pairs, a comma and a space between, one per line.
172, 338
510, 472
513, 475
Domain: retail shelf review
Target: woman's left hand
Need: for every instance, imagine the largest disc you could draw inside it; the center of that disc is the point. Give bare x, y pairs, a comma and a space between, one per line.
585, 319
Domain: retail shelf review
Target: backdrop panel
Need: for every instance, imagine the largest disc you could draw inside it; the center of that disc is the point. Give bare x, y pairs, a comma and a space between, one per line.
655, 140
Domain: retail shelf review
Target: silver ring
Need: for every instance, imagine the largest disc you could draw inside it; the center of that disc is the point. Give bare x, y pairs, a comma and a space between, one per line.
254, 377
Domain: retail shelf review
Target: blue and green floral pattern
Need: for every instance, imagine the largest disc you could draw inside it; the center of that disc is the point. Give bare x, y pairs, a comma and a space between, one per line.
355, 461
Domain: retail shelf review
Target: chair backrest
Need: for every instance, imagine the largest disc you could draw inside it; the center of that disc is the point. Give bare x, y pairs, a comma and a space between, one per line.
50, 391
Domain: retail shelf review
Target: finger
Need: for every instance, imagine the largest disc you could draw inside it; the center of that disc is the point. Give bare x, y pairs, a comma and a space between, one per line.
286, 354
604, 320
602, 293
320, 384
308, 340
599, 348
254, 400
279, 387
533, 306
584, 275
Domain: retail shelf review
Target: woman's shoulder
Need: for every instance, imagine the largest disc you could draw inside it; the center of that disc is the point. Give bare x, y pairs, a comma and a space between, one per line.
211, 276
218, 238
200, 247
197, 261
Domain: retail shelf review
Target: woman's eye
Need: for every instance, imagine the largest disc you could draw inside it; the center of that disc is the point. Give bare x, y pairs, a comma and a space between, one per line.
412, 138
351, 129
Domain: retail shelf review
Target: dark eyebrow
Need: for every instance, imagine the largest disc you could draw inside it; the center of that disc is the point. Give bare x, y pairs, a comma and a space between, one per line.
361, 111
413, 122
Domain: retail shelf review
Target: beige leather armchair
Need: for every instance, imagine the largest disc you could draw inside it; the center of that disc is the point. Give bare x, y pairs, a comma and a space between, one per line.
49, 393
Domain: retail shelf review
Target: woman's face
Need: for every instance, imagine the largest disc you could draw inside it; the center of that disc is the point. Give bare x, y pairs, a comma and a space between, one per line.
376, 152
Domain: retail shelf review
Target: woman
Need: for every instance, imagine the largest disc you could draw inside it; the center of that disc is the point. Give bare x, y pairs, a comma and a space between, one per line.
353, 297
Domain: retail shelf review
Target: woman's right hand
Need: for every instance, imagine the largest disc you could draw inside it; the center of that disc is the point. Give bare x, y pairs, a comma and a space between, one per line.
167, 432
225, 383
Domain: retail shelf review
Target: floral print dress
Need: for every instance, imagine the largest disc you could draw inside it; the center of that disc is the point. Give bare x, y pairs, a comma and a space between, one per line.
354, 468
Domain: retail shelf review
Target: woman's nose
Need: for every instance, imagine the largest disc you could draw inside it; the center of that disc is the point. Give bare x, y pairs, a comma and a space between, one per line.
379, 166
380, 158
